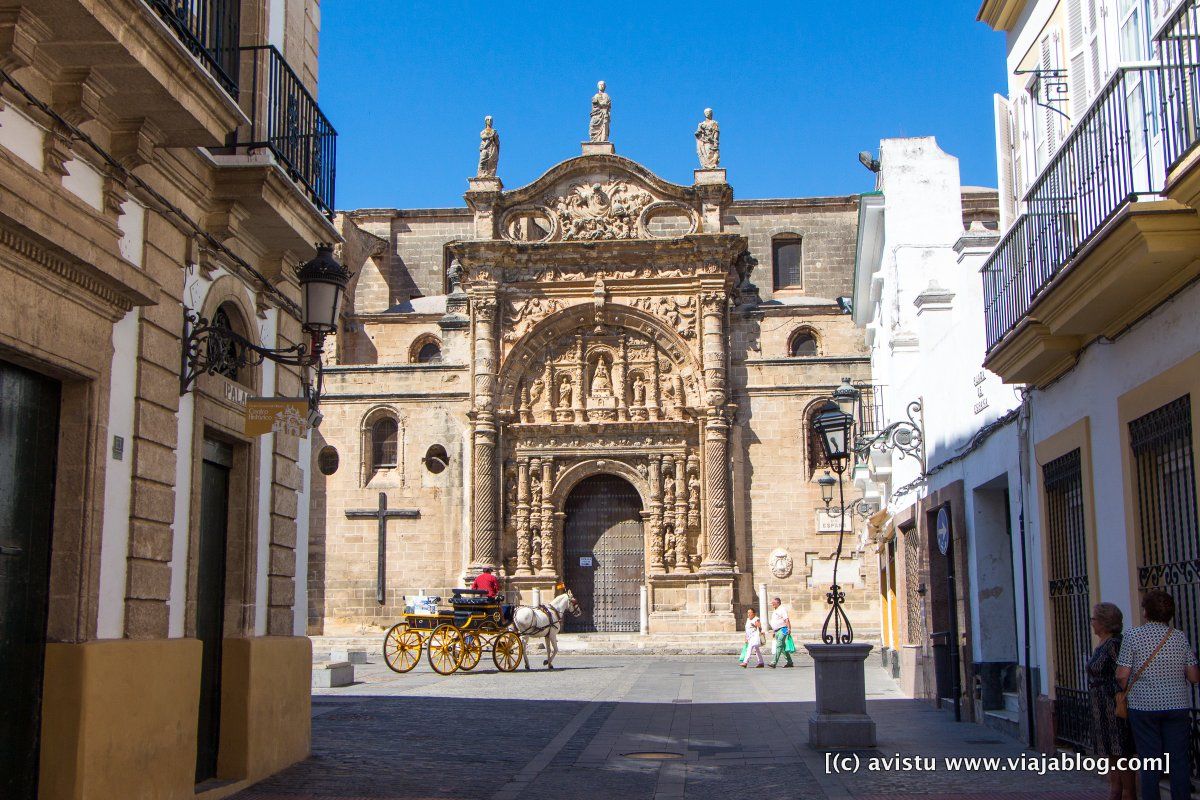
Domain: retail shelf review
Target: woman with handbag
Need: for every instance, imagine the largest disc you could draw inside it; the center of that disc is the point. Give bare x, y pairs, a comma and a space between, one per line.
1156, 668
1113, 737
754, 639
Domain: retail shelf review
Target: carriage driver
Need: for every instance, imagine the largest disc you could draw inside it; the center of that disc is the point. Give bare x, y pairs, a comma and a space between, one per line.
487, 582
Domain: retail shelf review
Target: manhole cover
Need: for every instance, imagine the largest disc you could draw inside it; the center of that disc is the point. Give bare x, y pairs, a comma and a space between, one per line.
652, 755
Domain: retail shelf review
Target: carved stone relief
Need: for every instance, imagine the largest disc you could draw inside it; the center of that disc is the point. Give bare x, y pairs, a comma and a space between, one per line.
521, 315
600, 211
780, 563
680, 312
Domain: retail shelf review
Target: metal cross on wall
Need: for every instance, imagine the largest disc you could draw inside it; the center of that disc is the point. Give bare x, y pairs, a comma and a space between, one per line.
383, 514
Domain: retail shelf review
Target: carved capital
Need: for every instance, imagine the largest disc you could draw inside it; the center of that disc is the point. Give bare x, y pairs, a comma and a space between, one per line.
20, 35
78, 95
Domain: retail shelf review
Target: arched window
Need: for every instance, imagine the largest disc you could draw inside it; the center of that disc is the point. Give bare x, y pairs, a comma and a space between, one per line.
429, 353
803, 344
816, 453
221, 351
785, 257
384, 433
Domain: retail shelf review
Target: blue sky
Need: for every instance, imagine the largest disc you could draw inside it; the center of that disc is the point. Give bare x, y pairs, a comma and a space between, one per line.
799, 89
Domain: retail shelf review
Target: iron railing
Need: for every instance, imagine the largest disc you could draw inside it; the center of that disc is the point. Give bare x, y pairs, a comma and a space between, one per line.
1067, 574
1169, 557
1110, 158
209, 29
1179, 48
286, 119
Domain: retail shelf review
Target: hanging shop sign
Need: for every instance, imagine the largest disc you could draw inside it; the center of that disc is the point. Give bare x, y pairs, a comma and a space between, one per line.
284, 415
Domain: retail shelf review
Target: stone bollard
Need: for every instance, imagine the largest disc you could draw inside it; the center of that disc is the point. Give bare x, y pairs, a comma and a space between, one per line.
840, 721
332, 675
353, 656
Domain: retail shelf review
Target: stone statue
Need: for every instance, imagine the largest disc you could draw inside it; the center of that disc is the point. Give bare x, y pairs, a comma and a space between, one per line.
601, 381
639, 391
564, 393
454, 274
489, 150
601, 120
708, 141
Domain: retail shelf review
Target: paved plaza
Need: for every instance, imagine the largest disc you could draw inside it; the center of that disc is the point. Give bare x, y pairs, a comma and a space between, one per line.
570, 733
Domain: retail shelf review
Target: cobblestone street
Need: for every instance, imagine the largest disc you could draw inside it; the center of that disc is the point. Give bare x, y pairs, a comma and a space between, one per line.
569, 734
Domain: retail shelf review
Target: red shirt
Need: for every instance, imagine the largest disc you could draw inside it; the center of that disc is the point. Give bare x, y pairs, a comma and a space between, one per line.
488, 582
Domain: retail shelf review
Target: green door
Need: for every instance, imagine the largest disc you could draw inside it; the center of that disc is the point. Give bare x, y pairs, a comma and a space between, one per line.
28, 442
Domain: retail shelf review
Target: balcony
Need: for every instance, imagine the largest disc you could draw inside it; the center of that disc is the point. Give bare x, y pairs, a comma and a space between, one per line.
277, 173
1099, 245
209, 29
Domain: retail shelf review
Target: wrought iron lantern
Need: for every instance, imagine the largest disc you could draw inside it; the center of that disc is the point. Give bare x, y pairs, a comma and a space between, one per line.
827, 482
835, 428
858, 508
214, 347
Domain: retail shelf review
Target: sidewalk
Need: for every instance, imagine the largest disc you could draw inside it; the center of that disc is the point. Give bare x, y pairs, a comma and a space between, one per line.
583, 731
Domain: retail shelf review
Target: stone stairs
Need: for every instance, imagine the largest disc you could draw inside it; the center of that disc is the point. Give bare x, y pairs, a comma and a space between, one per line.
609, 644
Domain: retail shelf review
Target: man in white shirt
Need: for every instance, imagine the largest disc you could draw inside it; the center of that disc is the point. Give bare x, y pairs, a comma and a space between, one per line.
781, 623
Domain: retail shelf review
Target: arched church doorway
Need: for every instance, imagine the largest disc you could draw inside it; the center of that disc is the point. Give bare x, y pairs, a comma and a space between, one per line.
604, 555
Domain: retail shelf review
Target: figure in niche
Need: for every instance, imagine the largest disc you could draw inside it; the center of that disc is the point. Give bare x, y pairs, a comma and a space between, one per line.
601, 117
693, 499
639, 391
489, 150
564, 394
668, 544
536, 392
601, 379
708, 141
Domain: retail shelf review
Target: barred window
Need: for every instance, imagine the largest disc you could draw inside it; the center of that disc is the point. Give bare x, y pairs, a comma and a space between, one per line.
384, 434
429, 353
803, 344
785, 253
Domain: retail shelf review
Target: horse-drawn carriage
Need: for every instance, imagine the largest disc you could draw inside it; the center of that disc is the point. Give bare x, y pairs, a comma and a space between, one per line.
454, 638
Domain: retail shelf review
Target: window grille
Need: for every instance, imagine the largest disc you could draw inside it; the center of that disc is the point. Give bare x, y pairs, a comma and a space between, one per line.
1169, 545
1067, 572
383, 443
786, 256
912, 585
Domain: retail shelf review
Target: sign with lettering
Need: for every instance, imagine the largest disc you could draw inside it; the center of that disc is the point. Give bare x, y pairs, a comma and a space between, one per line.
276, 415
585, 561
982, 402
235, 393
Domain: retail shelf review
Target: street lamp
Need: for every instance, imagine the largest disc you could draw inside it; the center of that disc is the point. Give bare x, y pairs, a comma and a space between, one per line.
858, 508
211, 347
834, 427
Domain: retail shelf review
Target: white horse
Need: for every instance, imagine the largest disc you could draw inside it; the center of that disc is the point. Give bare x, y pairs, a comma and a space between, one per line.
545, 621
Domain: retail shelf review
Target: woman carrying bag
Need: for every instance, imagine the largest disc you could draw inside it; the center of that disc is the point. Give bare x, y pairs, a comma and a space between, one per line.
754, 639
1156, 668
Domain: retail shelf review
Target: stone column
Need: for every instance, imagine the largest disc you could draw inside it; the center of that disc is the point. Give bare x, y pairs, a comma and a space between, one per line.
714, 307
717, 500
682, 562
653, 517
655, 394
523, 534
620, 371
485, 434
580, 380
550, 533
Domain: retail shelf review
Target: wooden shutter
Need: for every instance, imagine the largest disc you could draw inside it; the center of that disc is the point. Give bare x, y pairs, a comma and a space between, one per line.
1004, 162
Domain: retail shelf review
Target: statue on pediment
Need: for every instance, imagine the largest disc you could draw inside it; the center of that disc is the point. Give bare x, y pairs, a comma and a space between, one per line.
489, 150
601, 118
708, 141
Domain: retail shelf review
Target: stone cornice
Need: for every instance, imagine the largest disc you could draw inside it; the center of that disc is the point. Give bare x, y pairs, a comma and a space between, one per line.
586, 164
693, 249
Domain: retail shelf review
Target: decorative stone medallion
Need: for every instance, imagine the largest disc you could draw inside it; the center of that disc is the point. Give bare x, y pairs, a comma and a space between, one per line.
780, 563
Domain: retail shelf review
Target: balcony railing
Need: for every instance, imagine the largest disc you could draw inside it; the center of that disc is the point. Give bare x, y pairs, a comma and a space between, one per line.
287, 120
1111, 157
1179, 48
210, 30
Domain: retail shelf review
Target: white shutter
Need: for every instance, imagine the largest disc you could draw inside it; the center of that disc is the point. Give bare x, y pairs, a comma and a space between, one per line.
1051, 120
1083, 55
1020, 146
1006, 183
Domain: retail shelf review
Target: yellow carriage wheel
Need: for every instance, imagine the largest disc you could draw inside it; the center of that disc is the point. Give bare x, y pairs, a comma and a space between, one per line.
401, 648
507, 651
445, 649
472, 650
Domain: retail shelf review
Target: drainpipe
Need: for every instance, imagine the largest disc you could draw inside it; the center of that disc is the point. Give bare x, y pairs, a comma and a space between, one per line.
1023, 455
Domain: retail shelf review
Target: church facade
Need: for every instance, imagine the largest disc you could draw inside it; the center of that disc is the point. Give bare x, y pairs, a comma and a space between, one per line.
600, 379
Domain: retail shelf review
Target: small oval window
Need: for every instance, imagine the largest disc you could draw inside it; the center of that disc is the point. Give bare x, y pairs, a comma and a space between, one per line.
436, 459
327, 460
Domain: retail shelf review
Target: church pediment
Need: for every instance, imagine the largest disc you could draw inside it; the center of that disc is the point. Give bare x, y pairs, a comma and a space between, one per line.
598, 198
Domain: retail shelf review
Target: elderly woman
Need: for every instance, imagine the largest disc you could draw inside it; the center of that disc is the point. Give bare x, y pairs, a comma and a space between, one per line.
1113, 737
1157, 666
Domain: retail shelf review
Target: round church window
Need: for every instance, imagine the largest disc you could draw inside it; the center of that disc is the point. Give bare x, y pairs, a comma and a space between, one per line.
327, 460
436, 459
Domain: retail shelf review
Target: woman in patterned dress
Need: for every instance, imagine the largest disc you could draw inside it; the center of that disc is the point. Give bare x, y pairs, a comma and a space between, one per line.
1158, 666
1113, 738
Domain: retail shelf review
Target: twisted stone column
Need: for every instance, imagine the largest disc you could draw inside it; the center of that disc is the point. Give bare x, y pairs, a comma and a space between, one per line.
717, 500
487, 529
551, 525
654, 517
680, 511
523, 533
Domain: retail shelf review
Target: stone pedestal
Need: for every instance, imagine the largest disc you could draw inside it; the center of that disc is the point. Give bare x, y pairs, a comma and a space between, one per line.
840, 721
709, 176
599, 149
